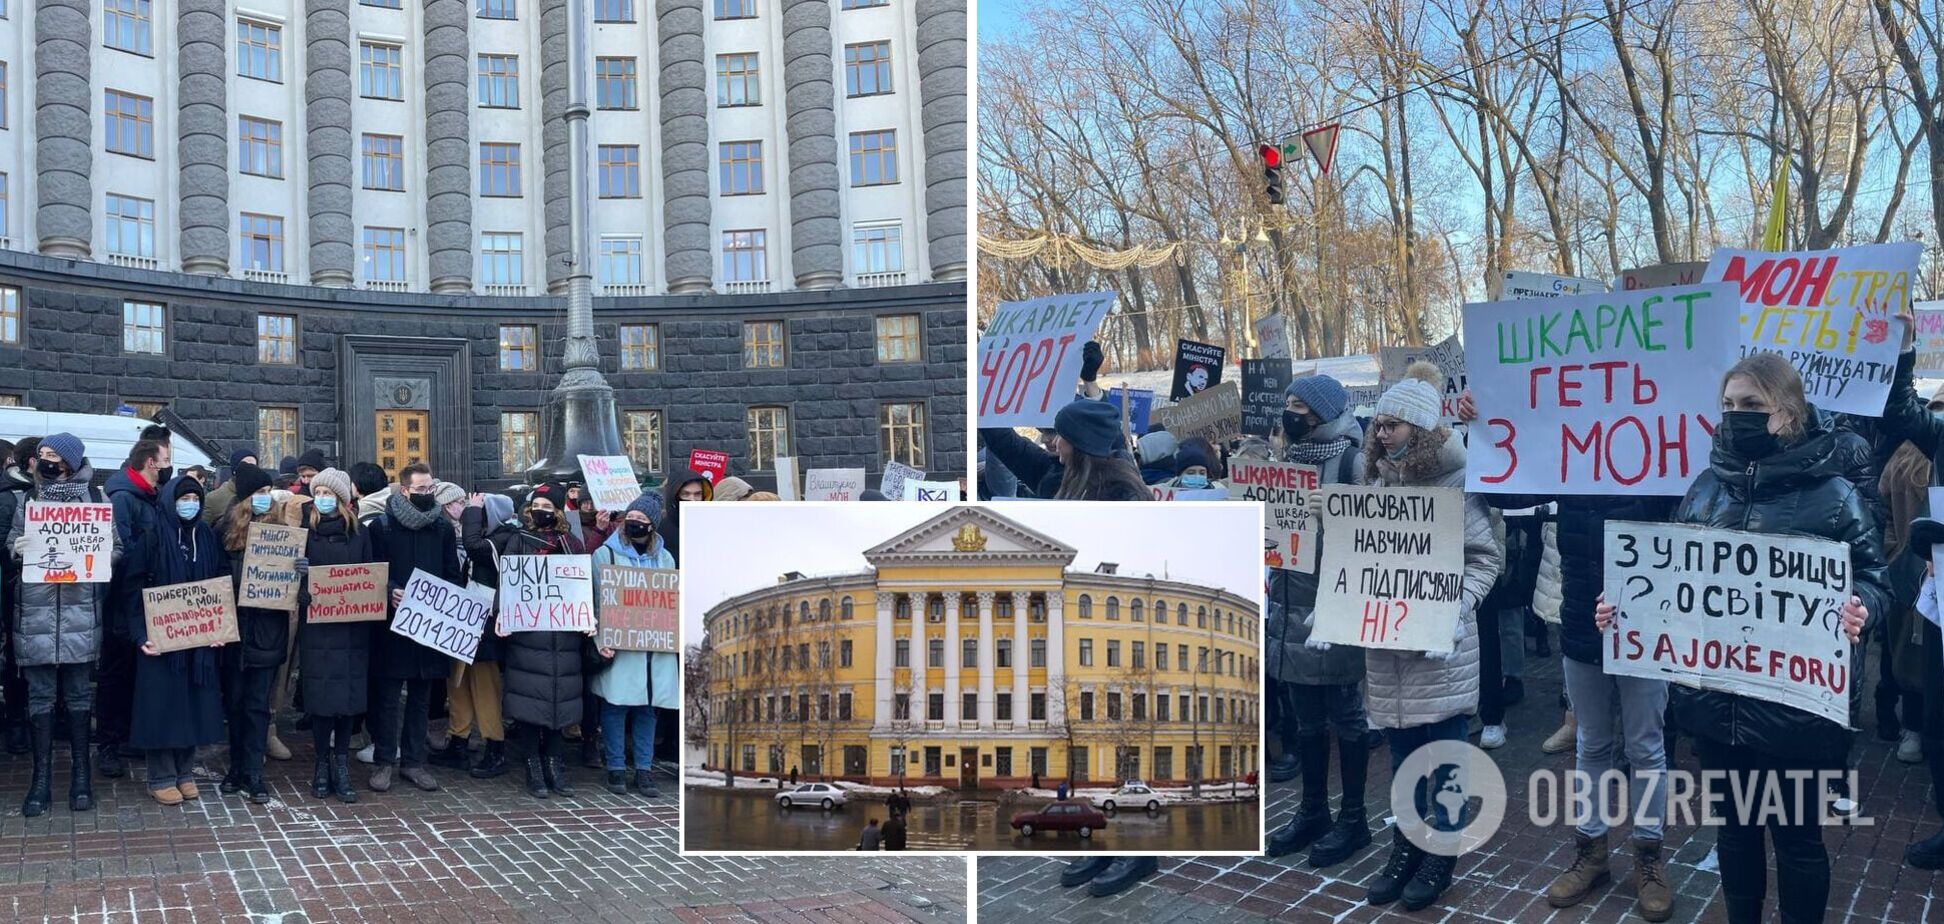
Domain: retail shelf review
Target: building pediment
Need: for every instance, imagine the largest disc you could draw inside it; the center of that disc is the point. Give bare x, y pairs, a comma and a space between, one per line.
970, 536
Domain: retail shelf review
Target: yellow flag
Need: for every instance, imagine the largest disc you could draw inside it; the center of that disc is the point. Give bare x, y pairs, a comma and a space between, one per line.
1775, 232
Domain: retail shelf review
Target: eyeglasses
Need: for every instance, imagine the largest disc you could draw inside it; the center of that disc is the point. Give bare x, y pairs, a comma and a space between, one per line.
1385, 426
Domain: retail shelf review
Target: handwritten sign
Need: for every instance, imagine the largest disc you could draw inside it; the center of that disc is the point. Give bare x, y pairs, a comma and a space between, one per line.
1135, 404
1662, 275
270, 578
349, 593
190, 615
1263, 381
546, 593
1272, 336
1514, 285
1197, 368
1215, 413
712, 464
1163, 492
786, 478
1447, 354
833, 484
1393, 573
639, 607
1747, 613
1288, 530
1029, 357
892, 483
931, 491
68, 543
442, 616
1598, 394
610, 481
1831, 313
1930, 339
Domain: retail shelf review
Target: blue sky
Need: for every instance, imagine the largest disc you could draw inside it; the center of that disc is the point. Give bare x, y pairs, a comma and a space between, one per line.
1000, 18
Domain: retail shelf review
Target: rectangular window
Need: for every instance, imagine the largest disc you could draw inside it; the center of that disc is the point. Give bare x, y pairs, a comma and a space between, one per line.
1037, 653
1037, 713
384, 254
897, 339
867, 69
735, 9
1163, 756
1002, 653
1002, 707
1140, 656
738, 80
620, 261
1160, 711
968, 652
128, 123
130, 227
259, 50
614, 83
4, 197
10, 316
499, 9
519, 348
740, 167
844, 653
935, 707
843, 707
877, 248
519, 441
384, 162
1139, 702
383, 4
968, 707
640, 347
769, 436
11, 399
614, 11
620, 171
259, 147
763, 345
3, 94
641, 438
501, 259
901, 433
1113, 652
874, 158
901, 711
263, 242
745, 256
864, 4
903, 653
499, 169
1113, 705
277, 431
1086, 706
1086, 652
935, 652
1160, 656
380, 71
128, 26
499, 81
145, 328
277, 339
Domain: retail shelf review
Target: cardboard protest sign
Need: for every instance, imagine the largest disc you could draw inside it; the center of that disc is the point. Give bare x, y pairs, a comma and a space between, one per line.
1754, 614
1598, 394
1361, 395
1215, 413
270, 578
1661, 275
712, 464
1272, 336
891, 484
639, 607
1448, 355
931, 491
833, 484
1029, 357
611, 481
1263, 381
1289, 530
349, 593
1136, 405
1393, 573
546, 593
443, 616
1930, 339
1514, 285
68, 543
1164, 492
190, 615
786, 478
1197, 368
1831, 313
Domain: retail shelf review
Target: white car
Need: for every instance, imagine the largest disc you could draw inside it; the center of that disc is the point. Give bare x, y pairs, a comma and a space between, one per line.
819, 794
1132, 795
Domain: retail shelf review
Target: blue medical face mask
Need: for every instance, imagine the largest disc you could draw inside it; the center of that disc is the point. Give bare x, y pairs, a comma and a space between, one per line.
1194, 481
260, 504
326, 504
187, 509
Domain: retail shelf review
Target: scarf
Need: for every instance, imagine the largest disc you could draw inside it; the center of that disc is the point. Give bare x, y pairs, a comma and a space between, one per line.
401, 510
1316, 453
70, 490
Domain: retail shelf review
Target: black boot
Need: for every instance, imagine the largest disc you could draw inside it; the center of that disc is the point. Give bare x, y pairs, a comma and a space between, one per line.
1351, 832
1122, 875
617, 782
1929, 852
1083, 871
341, 778
108, 761
455, 754
81, 774
536, 778
253, 784
1432, 879
18, 741
321, 777
1398, 871
39, 791
556, 774
492, 761
644, 782
1313, 816
590, 751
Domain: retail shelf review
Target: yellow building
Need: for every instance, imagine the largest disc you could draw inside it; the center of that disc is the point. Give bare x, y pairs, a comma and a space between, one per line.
970, 656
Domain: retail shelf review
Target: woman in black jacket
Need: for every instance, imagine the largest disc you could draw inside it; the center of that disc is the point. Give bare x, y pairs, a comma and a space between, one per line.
250, 668
1776, 468
336, 655
1089, 460
178, 703
543, 669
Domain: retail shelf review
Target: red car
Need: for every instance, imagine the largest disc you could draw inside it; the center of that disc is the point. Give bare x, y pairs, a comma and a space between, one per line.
1061, 816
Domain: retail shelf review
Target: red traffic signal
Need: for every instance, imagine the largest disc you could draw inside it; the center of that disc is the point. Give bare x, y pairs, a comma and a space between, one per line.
1271, 156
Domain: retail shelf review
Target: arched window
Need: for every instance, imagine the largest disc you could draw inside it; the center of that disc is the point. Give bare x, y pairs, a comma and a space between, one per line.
1160, 611
1036, 608
901, 607
1086, 607
773, 618
823, 610
935, 608
1137, 611
847, 608
1003, 608
1113, 608
1181, 614
968, 606
1201, 617
803, 611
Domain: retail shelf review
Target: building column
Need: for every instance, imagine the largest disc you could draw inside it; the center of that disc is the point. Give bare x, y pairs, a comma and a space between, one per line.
953, 708
686, 207
64, 127
202, 137
942, 86
816, 230
1056, 641
921, 656
1022, 665
327, 142
885, 673
555, 149
987, 664
448, 146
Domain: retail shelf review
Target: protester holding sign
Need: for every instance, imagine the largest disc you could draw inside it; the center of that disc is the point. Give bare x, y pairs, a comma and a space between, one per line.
1089, 460
413, 535
474, 692
336, 655
682, 487
178, 704
635, 683
250, 668
543, 668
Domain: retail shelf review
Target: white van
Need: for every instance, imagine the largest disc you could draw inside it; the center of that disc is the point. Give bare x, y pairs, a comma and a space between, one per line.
109, 437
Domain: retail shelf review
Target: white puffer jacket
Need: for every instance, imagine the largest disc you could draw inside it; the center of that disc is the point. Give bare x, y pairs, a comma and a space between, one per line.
1547, 595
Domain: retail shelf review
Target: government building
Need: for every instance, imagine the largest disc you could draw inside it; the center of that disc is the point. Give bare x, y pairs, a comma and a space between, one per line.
969, 656
344, 224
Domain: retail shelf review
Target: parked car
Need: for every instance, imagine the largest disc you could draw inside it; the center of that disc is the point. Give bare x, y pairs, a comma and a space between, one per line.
1061, 816
820, 794
1132, 795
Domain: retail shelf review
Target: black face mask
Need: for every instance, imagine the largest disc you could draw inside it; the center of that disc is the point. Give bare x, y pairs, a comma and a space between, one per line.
1746, 434
424, 501
1295, 426
545, 519
162, 475
49, 469
637, 530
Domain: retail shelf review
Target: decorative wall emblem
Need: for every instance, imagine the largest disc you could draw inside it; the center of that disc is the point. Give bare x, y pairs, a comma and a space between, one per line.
401, 393
969, 539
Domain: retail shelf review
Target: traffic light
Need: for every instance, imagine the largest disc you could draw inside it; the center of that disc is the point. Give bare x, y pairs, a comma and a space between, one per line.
1272, 164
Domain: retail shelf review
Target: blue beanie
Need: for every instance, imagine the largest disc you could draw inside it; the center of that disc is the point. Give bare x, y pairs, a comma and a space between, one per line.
1189, 456
1323, 394
68, 447
236, 458
650, 503
1091, 427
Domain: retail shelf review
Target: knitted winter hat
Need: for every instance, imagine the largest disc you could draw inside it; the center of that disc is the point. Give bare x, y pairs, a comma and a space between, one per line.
336, 482
1092, 427
731, 489
1190, 456
314, 460
445, 492
552, 491
1154, 447
650, 503
1412, 401
68, 447
248, 479
236, 458
1323, 394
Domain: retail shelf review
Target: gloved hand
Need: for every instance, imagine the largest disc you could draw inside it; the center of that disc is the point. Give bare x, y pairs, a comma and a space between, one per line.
1314, 644
20, 547
1457, 638
303, 565
1090, 359
1314, 501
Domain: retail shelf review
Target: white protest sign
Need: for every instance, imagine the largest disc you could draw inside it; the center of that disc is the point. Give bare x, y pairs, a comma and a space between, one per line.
1930, 339
1163, 492
1597, 394
1515, 284
833, 484
442, 616
1393, 574
611, 481
1287, 527
1753, 614
931, 491
68, 543
1029, 357
546, 593
1272, 336
1831, 313
892, 483
270, 578
786, 478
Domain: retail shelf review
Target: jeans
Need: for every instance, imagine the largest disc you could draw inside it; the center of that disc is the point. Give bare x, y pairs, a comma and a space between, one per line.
1318, 708
1641, 703
404, 708
246, 706
614, 735
1512, 626
331, 734
170, 767
473, 694
116, 696
1403, 741
71, 681
1491, 668
1801, 860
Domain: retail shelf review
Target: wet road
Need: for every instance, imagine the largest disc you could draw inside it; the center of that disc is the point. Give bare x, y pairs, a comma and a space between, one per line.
715, 820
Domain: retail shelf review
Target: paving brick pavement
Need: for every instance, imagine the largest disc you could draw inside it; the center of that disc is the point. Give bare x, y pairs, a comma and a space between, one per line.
475, 851
1506, 881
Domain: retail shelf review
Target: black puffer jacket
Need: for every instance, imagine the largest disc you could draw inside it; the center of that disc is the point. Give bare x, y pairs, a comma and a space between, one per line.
542, 670
265, 634
1582, 557
481, 544
1798, 491
336, 655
